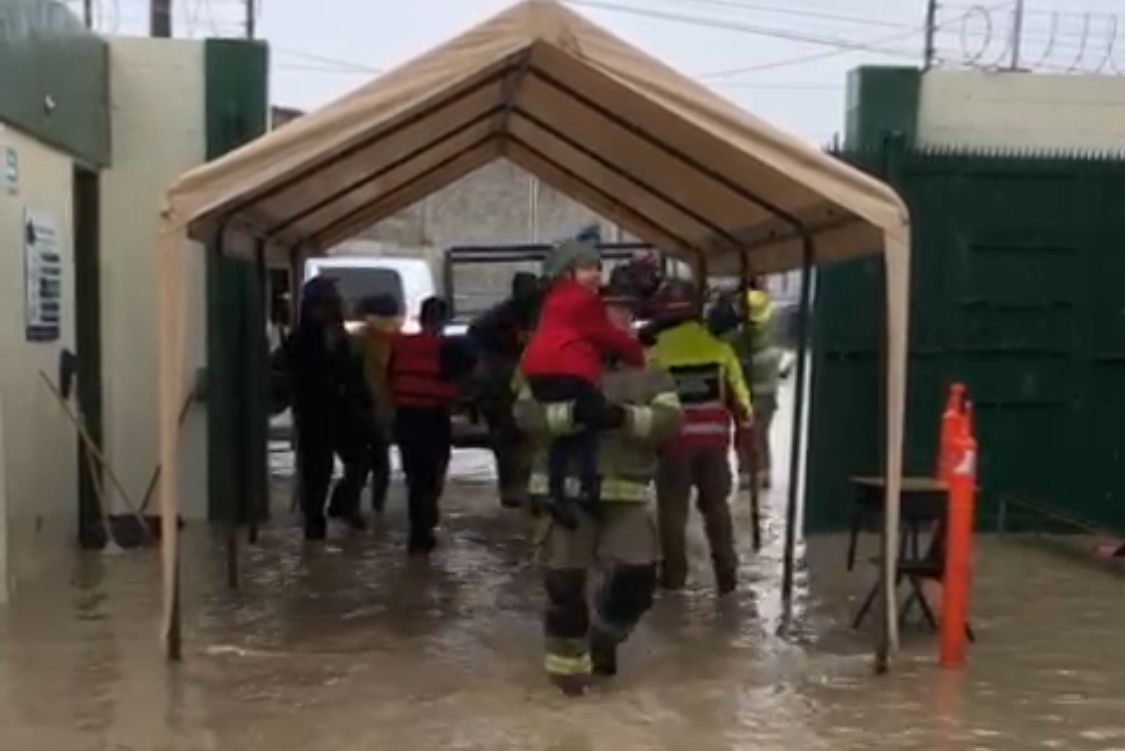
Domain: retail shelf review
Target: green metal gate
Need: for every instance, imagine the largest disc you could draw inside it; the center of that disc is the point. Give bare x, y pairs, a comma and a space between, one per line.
1018, 290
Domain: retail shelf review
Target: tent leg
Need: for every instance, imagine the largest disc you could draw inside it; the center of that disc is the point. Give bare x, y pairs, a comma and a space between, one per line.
296, 283
797, 440
233, 508
174, 638
232, 554
755, 495
261, 503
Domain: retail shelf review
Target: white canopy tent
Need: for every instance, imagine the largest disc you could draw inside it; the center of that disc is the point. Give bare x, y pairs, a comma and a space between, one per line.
664, 157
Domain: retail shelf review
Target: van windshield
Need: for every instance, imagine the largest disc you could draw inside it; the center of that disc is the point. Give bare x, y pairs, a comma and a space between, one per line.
356, 283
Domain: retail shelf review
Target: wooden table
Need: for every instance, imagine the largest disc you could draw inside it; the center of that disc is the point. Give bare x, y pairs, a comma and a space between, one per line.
923, 510
923, 502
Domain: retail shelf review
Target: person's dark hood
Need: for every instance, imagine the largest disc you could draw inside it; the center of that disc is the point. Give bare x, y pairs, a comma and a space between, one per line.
316, 292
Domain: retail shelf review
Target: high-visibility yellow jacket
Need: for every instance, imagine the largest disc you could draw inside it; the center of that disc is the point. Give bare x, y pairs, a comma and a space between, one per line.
627, 458
709, 381
754, 344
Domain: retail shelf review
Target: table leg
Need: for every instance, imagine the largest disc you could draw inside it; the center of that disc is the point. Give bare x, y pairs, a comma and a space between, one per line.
853, 540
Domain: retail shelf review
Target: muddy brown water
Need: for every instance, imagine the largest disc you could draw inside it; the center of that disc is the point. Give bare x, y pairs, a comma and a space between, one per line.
350, 645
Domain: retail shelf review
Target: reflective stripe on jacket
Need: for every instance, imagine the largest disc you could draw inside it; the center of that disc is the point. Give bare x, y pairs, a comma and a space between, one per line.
627, 457
416, 373
567, 658
709, 382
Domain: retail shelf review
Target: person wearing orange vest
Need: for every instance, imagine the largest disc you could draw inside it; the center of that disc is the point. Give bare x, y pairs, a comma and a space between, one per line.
715, 398
423, 372
382, 321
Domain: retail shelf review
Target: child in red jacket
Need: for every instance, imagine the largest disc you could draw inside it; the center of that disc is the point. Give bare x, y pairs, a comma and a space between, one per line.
563, 364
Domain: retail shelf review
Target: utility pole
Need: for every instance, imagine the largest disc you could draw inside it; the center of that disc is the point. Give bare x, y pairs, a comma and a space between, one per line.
160, 18
931, 32
88, 13
251, 18
1017, 34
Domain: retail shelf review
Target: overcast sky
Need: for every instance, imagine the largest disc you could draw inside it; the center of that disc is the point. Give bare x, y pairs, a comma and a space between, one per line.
796, 52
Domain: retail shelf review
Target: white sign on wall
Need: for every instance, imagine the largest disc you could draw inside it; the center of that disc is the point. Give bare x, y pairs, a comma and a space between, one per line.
42, 276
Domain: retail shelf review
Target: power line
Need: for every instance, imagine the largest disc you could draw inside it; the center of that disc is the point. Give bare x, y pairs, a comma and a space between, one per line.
322, 69
782, 86
798, 12
871, 45
727, 25
347, 65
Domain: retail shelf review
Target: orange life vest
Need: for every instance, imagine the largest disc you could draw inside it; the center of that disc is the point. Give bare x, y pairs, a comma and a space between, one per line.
415, 373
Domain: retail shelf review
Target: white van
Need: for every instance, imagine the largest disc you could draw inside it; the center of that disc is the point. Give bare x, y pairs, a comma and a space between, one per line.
408, 280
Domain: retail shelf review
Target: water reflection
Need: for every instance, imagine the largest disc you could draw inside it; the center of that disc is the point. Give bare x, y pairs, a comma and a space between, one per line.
353, 646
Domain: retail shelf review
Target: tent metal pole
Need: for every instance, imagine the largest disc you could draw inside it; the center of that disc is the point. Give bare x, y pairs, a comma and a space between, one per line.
232, 511
797, 440
261, 503
296, 287
755, 490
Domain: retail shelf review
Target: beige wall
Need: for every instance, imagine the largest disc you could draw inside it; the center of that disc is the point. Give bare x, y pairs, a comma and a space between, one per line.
157, 110
1022, 110
38, 468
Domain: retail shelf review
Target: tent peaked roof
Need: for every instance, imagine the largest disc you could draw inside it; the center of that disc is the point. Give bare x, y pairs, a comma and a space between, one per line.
664, 157
603, 122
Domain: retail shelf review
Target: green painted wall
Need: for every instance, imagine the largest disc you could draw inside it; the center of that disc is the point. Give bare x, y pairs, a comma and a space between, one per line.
56, 59
236, 107
1017, 291
881, 100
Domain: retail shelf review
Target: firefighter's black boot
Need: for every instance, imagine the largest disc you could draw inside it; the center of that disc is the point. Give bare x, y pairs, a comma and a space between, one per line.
603, 654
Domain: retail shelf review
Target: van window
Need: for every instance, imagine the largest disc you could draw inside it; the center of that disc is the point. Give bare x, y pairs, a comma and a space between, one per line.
356, 283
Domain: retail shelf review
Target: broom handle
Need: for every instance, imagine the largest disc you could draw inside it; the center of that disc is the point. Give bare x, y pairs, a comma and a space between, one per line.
99, 491
93, 449
152, 480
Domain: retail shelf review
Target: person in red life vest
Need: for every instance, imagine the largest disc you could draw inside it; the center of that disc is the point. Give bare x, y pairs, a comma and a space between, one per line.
424, 370
563, 368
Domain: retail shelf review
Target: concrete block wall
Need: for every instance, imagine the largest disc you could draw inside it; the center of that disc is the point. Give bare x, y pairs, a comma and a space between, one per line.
38, 446
1008, 110
157, 117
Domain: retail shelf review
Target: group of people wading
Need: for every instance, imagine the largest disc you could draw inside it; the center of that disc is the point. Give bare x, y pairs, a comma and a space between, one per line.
595, 424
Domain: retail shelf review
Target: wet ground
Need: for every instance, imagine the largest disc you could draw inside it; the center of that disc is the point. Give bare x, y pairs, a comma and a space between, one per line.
350, 646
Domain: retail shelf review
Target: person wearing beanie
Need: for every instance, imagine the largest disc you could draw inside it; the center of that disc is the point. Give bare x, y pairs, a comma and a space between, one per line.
563, 367
619, 548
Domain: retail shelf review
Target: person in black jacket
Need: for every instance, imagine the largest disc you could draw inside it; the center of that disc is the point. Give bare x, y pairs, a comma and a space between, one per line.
498, 336
332, 409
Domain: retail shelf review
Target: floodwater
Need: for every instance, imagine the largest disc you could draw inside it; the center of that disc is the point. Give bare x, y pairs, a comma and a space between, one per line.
351, 645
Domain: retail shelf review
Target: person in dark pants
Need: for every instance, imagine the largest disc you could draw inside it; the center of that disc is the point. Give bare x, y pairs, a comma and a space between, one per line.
498, 336
424, 370
331, 409
382, 316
